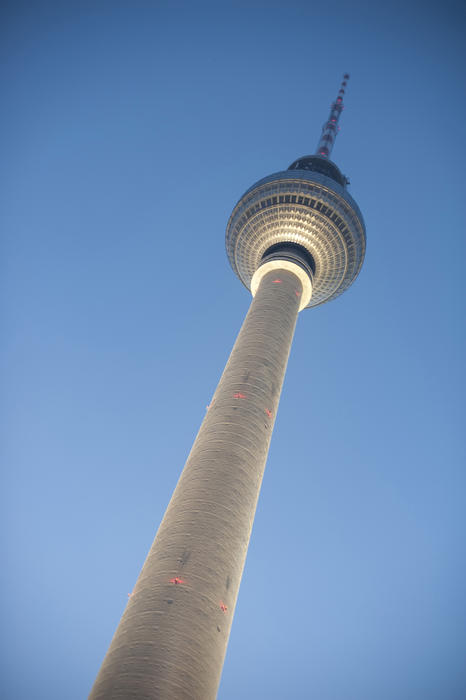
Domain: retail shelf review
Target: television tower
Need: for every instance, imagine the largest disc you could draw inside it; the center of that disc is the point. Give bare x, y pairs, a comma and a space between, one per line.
296, 239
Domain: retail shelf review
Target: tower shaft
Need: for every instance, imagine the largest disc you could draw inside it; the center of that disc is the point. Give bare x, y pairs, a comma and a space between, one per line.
171, 641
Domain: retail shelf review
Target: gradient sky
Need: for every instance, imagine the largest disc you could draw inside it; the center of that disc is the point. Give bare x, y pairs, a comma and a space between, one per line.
129, 131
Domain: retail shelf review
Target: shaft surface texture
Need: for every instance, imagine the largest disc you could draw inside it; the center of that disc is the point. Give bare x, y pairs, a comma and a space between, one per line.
171, 641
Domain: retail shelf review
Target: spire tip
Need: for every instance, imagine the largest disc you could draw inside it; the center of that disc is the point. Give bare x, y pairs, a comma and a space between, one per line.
330, 128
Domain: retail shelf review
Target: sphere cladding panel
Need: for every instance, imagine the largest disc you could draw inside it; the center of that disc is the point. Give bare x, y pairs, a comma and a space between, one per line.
299, 207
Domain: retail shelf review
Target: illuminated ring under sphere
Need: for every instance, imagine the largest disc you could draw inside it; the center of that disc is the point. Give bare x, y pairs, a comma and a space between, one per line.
303, 207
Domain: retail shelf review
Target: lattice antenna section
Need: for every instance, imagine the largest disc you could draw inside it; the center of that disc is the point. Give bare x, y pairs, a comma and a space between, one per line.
331, 128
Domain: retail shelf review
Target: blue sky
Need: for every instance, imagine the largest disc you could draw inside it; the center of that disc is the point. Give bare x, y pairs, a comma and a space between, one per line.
129, 131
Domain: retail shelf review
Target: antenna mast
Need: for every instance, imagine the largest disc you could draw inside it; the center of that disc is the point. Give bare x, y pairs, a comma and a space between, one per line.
331, 128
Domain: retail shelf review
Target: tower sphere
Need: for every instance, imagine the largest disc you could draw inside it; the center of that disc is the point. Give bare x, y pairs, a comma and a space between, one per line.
304, 214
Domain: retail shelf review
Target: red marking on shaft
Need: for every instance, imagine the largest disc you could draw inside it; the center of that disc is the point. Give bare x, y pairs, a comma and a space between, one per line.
239, 395
269, 413
277, 281
176, 580
223, 607
298, 294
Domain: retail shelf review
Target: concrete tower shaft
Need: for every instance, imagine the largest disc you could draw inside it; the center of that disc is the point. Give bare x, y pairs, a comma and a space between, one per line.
172, 638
